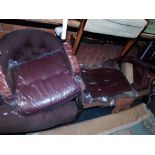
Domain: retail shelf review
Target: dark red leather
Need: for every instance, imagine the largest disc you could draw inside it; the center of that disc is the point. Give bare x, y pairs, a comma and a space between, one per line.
45, 91
44, 82
12, 122
105, 82
107, 86
24, 44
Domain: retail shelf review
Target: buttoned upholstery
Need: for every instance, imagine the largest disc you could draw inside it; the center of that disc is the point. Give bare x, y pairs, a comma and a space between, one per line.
38, 72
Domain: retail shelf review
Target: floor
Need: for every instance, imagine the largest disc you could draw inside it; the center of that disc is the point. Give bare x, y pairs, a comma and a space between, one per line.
145, 127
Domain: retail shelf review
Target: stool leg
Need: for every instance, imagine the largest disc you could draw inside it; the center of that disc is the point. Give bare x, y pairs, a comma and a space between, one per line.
79, 35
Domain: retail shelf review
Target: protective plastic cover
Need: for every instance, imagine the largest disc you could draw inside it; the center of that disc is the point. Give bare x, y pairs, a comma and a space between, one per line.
72, 58
40, 80
104, 86
43, 82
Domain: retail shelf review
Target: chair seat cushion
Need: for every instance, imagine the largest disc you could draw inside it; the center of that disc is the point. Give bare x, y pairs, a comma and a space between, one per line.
105, 82
44, 82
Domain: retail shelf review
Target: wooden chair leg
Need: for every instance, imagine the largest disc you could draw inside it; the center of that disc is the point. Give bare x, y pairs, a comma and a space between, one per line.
130, 43
79, 35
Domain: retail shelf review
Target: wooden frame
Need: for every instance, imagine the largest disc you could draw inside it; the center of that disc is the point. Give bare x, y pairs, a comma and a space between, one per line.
127, 47
79, 35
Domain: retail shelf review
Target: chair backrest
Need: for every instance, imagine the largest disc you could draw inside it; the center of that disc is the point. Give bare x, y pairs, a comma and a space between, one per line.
20, 41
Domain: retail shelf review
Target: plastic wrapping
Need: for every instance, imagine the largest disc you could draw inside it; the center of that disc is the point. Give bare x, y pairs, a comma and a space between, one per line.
11, 122
104, 86
105, 101
44, 79
108, 86
37, 71
44, 82
45, 89
72, 58
13, 119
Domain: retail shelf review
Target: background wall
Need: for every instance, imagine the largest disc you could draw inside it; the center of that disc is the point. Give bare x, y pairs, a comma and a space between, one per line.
6, 28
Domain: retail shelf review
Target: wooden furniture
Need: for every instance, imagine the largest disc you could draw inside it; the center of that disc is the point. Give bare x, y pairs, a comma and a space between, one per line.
83, 24
130, 29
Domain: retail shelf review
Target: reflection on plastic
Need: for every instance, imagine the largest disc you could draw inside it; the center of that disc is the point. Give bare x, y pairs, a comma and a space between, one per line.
105, 85
44, 82
106, 101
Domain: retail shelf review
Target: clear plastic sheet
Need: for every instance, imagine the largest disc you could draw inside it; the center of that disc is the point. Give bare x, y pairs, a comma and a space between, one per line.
9, 95
73, 59
80, 82
105, 101
106, 85
35, 66
74, 65
44, 82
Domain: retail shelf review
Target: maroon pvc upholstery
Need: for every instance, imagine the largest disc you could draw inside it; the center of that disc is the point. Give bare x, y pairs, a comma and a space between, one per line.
11, 122
105, 82
45, 93
22, 45
44, 82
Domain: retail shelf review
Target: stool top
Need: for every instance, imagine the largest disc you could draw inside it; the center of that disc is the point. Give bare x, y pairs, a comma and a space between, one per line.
129, 28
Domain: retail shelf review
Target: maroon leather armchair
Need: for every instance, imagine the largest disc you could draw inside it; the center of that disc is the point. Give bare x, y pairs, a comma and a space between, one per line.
38, 88
108, 86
